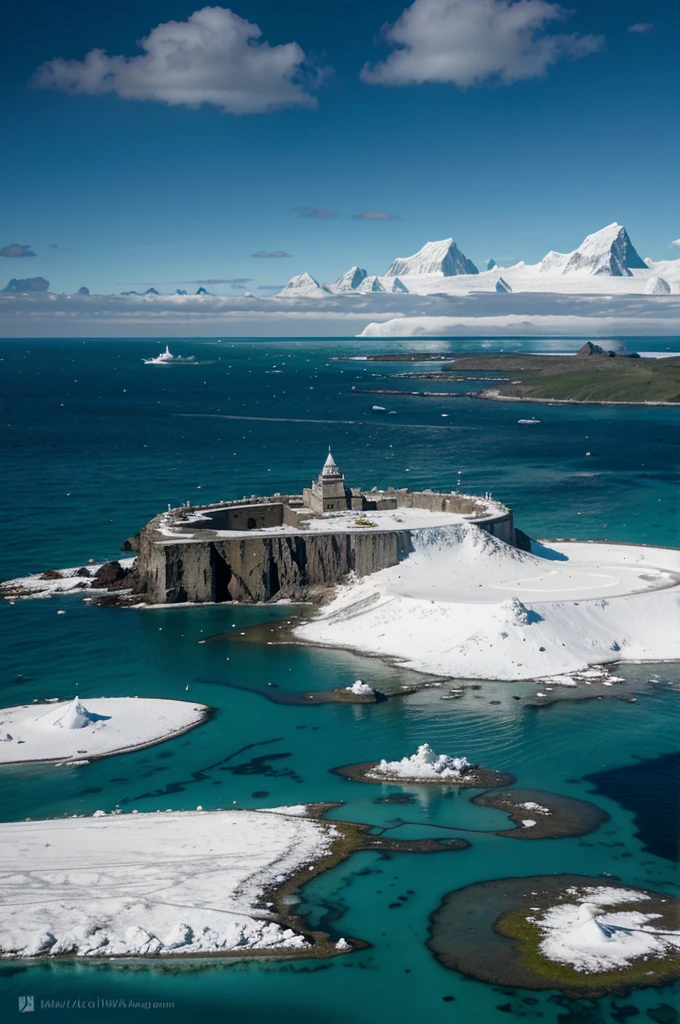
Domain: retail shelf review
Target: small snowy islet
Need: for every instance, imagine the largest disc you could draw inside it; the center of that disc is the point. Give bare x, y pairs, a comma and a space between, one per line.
82, 729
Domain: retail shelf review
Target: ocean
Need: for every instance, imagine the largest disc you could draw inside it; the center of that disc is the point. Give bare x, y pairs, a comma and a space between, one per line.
94, 443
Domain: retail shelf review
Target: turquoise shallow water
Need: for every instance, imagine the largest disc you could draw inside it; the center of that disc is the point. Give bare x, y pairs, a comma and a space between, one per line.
94, 443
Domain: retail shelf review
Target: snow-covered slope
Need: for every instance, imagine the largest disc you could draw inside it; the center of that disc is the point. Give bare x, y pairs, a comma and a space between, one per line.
465, 604
608, 252
441, 258
304, 284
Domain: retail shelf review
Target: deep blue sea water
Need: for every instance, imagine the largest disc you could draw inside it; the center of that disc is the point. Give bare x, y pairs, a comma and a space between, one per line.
94, 443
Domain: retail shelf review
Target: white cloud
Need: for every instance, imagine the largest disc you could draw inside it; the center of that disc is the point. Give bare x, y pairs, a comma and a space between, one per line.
676, 242
469, 42
214, 57
641, 28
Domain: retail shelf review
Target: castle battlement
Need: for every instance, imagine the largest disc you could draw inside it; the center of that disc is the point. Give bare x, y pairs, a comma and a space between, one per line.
293, 546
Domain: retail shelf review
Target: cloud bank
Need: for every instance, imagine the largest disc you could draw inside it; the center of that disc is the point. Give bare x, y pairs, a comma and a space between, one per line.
213, 57
13, 251
469, 42
641, 28
279, 254
46, 314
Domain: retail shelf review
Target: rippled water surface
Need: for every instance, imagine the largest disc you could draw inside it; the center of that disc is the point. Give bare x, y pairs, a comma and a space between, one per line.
94, 443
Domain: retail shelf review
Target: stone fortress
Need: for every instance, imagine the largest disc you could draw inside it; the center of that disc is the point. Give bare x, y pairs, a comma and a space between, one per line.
295, 546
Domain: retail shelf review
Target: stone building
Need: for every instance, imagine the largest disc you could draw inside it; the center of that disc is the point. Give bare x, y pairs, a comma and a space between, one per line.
328, 492
295, 546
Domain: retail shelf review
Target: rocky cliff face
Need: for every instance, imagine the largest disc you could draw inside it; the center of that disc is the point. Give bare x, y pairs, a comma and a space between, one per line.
261, 568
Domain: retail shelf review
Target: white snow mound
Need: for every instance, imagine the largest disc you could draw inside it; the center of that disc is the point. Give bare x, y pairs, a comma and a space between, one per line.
424, 764
581, 935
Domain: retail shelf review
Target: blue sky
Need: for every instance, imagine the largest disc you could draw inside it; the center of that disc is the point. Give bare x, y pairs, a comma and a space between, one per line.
552, 140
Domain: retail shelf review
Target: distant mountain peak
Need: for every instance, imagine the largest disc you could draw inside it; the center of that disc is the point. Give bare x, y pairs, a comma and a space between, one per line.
304, 284
351, 279
443, 257
608, 252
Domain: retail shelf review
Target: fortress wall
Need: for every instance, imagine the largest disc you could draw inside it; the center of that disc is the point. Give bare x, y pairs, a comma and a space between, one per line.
259, 568
260, 515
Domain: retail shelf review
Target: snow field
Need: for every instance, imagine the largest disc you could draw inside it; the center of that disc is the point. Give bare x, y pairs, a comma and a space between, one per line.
139, 884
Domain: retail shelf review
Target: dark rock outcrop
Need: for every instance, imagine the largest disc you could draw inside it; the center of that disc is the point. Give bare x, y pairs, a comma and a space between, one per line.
108, 573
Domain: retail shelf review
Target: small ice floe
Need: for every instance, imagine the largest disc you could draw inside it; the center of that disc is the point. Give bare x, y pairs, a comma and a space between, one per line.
424, 764
361, 689
378, 408
532, 420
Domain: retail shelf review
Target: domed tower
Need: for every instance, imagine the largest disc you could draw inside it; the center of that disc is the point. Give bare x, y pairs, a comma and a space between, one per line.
328, 490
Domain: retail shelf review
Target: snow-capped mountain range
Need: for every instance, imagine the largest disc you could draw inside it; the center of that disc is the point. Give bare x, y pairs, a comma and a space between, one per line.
605, 262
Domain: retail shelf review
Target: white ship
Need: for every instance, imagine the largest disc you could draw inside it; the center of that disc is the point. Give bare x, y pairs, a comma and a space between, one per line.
165, 358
